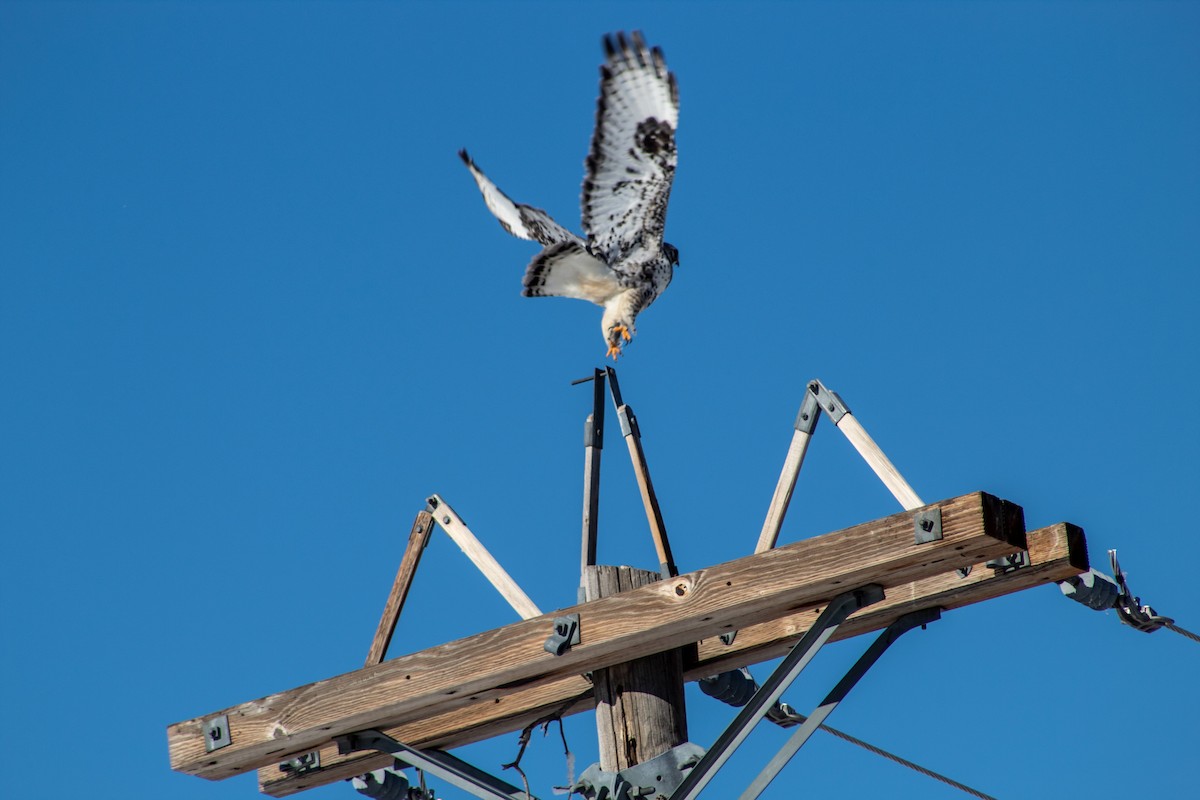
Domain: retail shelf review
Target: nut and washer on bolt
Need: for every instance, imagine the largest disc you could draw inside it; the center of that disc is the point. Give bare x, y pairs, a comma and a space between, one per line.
216, 733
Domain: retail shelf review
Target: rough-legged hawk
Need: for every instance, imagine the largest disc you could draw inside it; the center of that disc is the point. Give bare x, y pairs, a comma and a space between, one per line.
624, 264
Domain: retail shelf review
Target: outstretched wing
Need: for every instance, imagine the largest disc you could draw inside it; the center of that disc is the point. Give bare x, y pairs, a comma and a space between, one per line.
567, 269
632, 159
522, 221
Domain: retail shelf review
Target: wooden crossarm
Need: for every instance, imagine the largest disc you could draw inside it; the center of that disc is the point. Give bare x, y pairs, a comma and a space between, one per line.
493, 665
1056, 553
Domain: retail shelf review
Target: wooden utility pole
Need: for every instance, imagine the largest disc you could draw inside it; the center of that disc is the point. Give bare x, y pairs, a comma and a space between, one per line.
639, 704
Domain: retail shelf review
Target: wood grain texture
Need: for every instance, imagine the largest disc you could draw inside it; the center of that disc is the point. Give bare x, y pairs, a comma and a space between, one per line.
879, 463
658, 529
1056, 553
783, 491
417, 539
640, 711
456, 529
491, 665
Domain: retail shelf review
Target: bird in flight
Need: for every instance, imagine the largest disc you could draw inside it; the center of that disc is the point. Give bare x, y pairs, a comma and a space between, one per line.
623, 264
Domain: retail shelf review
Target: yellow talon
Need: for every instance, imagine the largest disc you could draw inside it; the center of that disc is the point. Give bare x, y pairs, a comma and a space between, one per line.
614, 348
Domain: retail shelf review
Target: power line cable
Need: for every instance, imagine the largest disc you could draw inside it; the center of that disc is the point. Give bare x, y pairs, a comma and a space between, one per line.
797, 718
1171, 626
735, 687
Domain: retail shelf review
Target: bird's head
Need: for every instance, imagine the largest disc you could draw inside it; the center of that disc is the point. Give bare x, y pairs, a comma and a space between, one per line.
672, 253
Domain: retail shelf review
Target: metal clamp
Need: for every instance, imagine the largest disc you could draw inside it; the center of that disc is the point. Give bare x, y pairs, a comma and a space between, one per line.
658, 777
1009, 563
1100, 592
308, 762
566, 633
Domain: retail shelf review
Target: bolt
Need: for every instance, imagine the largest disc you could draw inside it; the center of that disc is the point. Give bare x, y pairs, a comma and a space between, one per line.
927, 525
214, 732
446, 519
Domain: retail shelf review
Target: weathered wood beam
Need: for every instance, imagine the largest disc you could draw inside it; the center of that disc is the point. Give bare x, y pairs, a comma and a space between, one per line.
1056, 553
490, 665
417, 539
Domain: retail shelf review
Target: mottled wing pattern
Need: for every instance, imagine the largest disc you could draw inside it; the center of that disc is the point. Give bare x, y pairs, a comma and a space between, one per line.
632, 158
525, 222
567, 269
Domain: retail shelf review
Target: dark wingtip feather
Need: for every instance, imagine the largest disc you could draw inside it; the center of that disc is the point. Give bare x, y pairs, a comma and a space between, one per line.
639, 48
466, 159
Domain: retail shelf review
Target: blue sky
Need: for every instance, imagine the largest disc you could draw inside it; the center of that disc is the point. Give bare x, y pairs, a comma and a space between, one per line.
253, 312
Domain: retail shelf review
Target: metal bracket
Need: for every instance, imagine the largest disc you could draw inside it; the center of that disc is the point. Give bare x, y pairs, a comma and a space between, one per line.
830, 402
566, 633
927, 526
810, 412
308, 762
216, 733
437, 763
656, 778
1009, 563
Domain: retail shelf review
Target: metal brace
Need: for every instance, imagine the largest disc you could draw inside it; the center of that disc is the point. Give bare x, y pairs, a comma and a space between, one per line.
216, 733
927, 526
801, 654
308, 762
566, 633
1009, 563
806, 729
437, 763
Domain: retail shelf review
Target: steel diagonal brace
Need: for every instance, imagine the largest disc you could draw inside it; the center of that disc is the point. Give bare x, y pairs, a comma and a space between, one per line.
769, 693
593, 443
818, 717
441, 765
